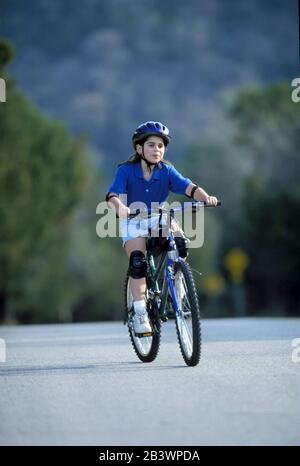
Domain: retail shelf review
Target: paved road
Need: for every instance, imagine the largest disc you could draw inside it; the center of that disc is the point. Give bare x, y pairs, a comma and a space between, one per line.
82, 384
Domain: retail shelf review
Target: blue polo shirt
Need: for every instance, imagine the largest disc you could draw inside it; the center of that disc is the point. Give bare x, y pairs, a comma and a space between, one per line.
129, 179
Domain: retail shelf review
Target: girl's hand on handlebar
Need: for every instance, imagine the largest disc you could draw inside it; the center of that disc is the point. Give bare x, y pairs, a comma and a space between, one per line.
124, 211
211, 201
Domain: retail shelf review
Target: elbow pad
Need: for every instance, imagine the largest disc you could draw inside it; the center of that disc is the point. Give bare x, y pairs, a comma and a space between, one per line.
193, 190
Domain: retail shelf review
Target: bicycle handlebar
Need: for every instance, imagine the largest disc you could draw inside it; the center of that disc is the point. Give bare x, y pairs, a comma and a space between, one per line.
147, 213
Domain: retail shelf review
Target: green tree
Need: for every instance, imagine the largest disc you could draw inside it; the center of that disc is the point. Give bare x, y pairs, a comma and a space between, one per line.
267, 224
215, 164
42, 173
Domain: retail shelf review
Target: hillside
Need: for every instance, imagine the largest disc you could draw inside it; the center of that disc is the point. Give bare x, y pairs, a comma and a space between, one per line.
106, 66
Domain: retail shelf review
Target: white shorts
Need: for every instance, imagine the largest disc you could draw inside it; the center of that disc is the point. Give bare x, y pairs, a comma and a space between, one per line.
136, 228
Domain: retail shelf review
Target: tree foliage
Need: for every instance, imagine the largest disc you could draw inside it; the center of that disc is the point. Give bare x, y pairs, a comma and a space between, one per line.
267, 223
42, 172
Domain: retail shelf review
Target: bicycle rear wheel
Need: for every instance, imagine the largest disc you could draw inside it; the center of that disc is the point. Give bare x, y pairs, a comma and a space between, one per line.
188, 319
146, 348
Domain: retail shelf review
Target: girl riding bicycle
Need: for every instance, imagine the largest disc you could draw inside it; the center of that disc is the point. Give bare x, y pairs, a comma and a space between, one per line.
147, 177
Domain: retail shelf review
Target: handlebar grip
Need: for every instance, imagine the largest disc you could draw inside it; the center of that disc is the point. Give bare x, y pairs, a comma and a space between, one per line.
205, 205
134, 214
218, 204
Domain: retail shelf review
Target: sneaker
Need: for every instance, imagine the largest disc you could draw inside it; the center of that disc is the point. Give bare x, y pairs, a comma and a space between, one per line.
141, 322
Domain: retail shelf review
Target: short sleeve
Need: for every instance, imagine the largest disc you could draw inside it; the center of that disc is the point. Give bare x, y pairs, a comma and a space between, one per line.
119, 185
177, 182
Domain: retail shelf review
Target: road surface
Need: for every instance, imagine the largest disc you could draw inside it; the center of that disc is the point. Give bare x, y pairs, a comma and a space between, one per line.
82, 384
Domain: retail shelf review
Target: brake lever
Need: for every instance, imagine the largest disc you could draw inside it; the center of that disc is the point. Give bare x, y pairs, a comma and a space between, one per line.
135, 214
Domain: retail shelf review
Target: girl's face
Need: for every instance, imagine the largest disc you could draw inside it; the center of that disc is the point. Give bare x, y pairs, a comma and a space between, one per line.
154, 149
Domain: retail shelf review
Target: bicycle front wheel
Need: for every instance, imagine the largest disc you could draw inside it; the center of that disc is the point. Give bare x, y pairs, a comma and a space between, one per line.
146, 348
188, 318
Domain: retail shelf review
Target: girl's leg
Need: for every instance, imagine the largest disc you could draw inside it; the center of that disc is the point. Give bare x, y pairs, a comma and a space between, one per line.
137, 285
141, 320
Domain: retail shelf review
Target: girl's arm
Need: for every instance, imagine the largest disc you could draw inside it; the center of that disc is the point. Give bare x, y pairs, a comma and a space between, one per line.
118, 186
200, 195
121, 209
181, 185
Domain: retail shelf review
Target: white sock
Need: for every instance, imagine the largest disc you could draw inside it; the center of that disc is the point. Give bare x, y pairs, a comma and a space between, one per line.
139, 306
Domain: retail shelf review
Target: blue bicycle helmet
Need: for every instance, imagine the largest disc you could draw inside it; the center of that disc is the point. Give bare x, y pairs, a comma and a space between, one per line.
151, 128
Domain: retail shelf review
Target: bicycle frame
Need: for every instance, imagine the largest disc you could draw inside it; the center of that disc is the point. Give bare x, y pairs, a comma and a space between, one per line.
156, 272
165, 264
176, 291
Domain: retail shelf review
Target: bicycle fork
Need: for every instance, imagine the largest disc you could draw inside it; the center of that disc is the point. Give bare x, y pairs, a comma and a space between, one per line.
170, 280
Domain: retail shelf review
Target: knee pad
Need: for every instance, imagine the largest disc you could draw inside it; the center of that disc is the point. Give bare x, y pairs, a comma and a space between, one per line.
137, 264
182, 246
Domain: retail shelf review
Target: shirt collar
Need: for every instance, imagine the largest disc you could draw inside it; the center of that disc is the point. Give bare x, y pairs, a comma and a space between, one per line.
138, 171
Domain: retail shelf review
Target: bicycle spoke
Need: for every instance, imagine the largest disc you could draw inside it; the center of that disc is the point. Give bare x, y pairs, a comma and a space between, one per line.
187, 319
186, 337
184, 317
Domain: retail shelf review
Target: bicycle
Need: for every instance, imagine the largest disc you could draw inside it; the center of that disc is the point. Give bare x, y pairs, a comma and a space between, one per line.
170, 289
